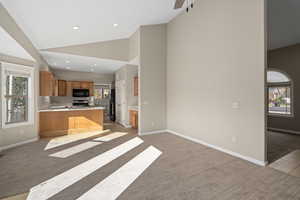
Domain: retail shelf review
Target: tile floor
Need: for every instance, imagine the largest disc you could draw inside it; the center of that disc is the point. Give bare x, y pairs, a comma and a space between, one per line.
289, 164
281, 144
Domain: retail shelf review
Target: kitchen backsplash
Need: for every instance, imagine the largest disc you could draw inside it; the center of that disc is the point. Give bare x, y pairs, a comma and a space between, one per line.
45, 102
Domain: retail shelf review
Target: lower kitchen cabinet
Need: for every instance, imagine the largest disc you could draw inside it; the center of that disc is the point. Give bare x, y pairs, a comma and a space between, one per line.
134, 120
57, 123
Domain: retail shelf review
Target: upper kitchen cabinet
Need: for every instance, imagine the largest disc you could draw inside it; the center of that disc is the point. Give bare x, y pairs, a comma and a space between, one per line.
91, 88
69, 88
70, 85
62, 88
136, 86
51, 87
47, 83
76, 85
85, 85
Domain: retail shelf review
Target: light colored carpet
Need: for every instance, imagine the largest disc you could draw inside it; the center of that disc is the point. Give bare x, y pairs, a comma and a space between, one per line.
17, 197
184, 171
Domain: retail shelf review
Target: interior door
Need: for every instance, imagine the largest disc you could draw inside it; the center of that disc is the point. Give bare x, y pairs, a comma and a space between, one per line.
121, 108
118, 102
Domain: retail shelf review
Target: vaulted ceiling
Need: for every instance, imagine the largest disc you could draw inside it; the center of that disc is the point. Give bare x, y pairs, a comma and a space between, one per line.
11, 47
70, 23
49, 23
82, 63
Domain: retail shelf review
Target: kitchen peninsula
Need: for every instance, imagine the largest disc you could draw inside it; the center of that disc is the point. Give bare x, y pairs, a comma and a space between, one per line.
70, 120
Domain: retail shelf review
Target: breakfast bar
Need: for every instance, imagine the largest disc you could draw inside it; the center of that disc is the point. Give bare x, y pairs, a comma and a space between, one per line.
63, 121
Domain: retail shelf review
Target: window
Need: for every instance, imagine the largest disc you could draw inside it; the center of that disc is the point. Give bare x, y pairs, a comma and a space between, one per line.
102, 92
279, 93
17, 95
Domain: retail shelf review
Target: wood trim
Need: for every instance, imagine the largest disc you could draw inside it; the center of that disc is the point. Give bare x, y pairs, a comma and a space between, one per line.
136, 86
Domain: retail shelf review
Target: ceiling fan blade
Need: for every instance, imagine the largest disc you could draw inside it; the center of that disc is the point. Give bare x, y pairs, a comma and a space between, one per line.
179, 4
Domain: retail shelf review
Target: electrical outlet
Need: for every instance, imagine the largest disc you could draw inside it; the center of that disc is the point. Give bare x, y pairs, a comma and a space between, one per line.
152, 124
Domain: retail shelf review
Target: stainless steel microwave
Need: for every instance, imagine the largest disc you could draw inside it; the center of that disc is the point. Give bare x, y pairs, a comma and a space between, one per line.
81, 93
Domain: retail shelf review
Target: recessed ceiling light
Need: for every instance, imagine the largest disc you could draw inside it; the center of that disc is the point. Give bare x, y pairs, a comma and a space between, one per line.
115, 25
67, 61
95, 64
68, 67
76, 27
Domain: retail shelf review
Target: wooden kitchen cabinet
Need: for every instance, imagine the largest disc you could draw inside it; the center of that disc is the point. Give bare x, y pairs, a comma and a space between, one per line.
51, 87
76, 84
91, 88
55, 88
136, 86
69, 89
58, 123
85, 85
134, 118
70, 85
47, 83
62, 88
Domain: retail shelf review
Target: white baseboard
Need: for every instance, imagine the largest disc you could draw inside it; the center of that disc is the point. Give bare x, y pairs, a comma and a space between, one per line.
252, 160
153, 132
18, 144
124, 124
284, 130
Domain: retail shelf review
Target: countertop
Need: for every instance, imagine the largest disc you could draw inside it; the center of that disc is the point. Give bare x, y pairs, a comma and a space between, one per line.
136, 108
71, 109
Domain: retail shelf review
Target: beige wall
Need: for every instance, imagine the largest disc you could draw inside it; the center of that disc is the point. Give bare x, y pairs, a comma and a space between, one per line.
11, 27
132, 71
12, 136
125, 74
152, 76
134, 45
215, 61
97, 78
287, 60
16, 60
115, 50
122, 49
